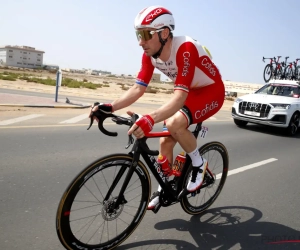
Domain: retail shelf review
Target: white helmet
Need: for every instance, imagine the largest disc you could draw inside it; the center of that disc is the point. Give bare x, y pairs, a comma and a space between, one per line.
154, 17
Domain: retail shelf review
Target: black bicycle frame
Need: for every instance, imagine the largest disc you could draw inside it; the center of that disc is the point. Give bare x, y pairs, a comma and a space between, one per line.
141, 148
284, 64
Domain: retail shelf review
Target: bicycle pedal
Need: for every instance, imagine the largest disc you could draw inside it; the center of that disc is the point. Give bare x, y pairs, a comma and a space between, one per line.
156, 208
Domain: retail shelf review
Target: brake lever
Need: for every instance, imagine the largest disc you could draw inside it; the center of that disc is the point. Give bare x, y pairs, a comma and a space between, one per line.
91, 122
130, 141
92, 116
130, 123
100, 123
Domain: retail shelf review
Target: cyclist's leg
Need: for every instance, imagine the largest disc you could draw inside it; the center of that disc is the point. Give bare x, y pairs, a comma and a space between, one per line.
199, 106
166, 146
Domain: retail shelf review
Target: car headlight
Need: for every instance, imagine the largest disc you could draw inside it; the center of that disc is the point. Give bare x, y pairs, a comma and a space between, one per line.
238, 100
281, 106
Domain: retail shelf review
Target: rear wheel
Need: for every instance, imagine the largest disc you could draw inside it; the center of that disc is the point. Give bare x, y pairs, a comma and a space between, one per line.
268, 72
86, 220
289, 73
278, 73
215, 176
297, 73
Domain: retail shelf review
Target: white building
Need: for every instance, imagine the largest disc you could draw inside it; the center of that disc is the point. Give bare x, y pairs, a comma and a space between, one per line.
21, 56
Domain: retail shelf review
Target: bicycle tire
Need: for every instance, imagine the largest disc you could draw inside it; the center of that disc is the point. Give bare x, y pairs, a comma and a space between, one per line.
64, 212
278, 73
289, 73
297, 73
204, 150
268, 71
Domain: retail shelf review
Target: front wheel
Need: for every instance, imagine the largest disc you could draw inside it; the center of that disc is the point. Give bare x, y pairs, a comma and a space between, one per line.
214, 179
292, 129
87, 217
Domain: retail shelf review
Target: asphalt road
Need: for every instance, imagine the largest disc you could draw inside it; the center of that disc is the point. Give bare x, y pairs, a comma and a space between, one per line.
74, 99
39, 157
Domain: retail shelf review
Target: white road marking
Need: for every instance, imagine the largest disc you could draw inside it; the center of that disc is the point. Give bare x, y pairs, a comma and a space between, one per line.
76, 119
251, 166
212, 118
19, 119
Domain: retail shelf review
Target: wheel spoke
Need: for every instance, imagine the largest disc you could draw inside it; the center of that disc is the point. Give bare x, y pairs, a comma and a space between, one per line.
82, 216
217, 157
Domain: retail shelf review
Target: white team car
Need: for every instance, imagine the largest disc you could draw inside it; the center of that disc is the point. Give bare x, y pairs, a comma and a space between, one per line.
275, 104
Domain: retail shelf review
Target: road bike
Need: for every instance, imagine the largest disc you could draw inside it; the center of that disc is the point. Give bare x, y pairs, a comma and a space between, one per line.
296, 70
286, 72
291, 70
107, 200
272, 70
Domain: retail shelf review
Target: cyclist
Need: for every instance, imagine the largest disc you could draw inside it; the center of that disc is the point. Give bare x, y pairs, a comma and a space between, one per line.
198, 88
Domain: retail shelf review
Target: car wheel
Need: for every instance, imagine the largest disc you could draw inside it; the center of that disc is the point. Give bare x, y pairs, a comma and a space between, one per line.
240, 123
292, 129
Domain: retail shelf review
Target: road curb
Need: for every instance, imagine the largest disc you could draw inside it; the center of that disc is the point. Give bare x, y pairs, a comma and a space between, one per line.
45, 106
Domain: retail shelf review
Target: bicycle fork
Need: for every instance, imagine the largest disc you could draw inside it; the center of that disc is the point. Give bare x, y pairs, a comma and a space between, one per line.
121, 198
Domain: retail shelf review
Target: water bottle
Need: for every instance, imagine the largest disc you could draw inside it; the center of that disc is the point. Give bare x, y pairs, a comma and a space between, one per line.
164, 164
178, 164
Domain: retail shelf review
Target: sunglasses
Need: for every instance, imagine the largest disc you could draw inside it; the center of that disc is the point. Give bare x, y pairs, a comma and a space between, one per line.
146, 35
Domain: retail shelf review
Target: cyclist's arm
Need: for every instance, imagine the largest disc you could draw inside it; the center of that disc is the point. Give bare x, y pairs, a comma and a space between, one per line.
139, 88
186, 59
129, 97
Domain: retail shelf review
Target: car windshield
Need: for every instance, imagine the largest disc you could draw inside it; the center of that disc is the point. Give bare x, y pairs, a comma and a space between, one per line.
280, 89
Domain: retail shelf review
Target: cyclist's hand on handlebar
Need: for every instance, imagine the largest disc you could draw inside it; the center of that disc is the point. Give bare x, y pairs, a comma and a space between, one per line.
142, 126
103, 107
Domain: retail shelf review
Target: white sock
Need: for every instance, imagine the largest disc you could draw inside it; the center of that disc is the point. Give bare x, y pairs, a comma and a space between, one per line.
196, 158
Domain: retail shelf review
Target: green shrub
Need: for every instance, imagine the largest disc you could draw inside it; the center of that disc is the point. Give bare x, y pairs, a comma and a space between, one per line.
48, 81
123, 87
151, 90
229, 98
7, 78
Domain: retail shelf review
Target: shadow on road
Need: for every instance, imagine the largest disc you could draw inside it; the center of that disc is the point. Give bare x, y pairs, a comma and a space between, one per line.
280, 132
223, 228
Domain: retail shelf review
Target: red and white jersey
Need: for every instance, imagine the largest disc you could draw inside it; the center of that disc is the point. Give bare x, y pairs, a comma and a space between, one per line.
189, 66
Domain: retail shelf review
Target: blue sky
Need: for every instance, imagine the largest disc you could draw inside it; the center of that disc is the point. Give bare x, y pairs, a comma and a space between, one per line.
99, 34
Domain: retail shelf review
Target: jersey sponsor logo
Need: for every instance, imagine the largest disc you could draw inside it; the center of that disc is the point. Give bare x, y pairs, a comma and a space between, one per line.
171, 75
161, 69
209, 66
186, 64
206, 110
169, 63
